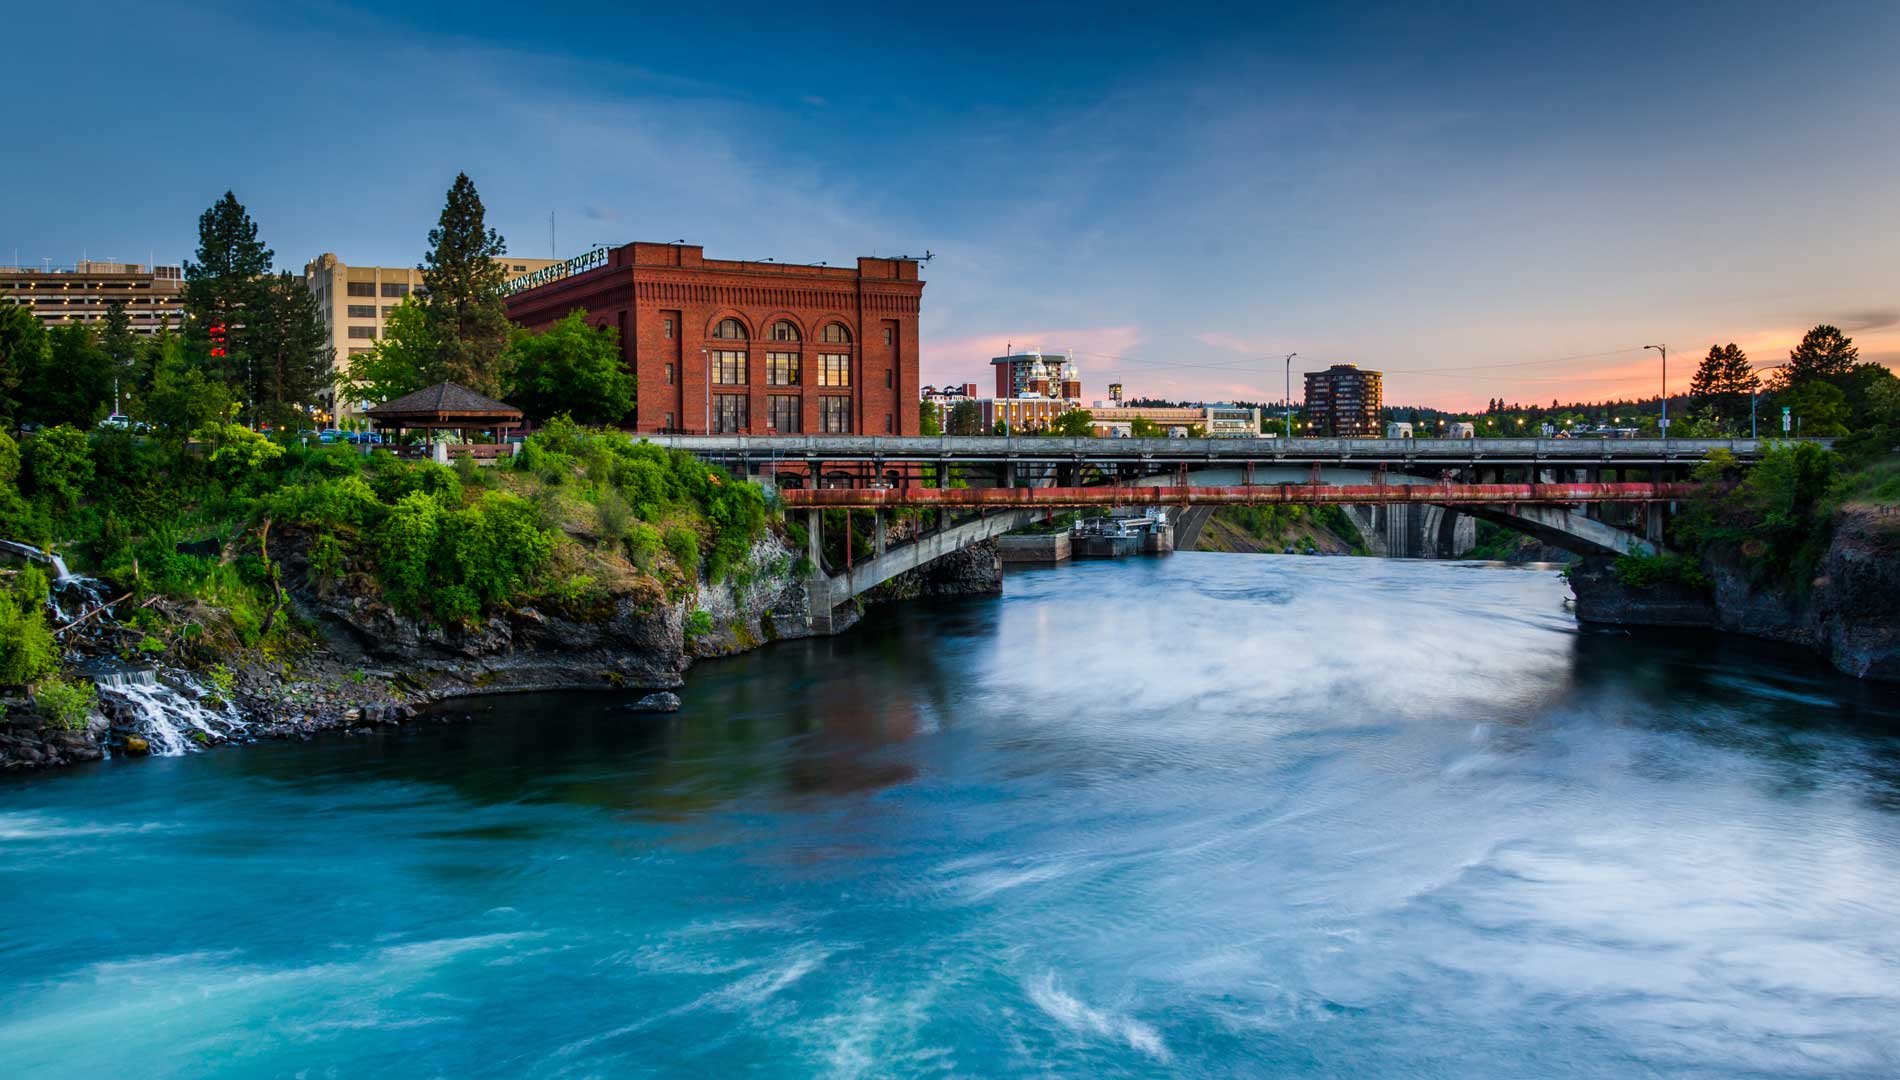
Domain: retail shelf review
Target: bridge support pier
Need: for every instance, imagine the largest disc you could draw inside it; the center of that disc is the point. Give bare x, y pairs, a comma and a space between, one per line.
817, 586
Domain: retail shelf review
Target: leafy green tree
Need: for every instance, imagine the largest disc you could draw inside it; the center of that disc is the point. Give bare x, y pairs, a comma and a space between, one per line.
182, 398
1723, 382
966, 418
929, 420
1075, 423
464, 304
572, 367
1141, 427
226, 287
1819, 407
27, 647
1824, 353
123, 352
22, 355
73, 382
292, 361
406, 359
58, 466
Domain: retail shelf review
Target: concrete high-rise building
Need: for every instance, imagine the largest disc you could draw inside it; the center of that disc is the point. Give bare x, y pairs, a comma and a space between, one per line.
1033, 374
356, 301
1344, 401
153, 296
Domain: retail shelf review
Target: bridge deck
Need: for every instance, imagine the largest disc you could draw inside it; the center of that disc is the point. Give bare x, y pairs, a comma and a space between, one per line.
1305, 494
969, 448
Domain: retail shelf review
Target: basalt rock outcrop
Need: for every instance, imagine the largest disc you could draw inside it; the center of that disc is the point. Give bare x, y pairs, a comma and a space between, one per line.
1849, 612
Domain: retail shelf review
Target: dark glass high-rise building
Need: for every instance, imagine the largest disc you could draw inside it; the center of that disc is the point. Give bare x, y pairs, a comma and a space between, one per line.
1343, 401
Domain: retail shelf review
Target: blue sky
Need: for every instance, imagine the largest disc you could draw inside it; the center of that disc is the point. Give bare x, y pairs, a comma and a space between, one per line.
1482, 199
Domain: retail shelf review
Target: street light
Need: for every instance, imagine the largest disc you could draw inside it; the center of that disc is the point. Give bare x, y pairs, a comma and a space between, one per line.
1664, 350
1286, 427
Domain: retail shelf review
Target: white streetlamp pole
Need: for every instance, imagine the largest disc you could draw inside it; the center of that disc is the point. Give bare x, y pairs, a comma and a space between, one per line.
1664, 350
1287, 402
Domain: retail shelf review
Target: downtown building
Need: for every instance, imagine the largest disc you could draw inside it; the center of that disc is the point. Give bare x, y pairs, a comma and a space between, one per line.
1343, 401
753, 348
356, 301
152, 296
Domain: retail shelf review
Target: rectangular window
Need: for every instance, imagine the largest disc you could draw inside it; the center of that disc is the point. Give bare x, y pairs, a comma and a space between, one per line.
834, 370
362, 288
362, 311
387, 308
889, 424
890, 336
784, 413
669, 374
781, 369
729, 412
666, 329
834, 414
888, 384
728, 367
397, 290
363, 332
669, 421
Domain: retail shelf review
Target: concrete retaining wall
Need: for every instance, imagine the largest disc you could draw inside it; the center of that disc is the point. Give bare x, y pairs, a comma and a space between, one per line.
1033, 549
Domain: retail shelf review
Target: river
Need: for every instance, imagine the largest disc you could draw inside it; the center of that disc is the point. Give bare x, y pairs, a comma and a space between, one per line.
1207, 815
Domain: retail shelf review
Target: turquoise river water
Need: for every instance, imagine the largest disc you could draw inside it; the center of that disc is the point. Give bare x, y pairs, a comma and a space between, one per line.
1205, 816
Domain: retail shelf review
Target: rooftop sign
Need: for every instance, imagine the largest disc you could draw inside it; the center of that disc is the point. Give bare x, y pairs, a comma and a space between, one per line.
576, 265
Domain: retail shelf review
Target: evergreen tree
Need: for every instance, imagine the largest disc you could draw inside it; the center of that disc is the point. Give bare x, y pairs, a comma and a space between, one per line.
122, 350
22, 354
1824, 353
226, 287
1723, 383
464, 302
291, 361
72, 383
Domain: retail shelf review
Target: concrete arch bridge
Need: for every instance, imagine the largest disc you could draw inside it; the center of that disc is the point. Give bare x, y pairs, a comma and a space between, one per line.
1585, 495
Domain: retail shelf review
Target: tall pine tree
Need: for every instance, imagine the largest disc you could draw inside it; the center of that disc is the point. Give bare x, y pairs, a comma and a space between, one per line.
1723, 383
1824, 353
122, 349
464, 306
291, 360
226, 288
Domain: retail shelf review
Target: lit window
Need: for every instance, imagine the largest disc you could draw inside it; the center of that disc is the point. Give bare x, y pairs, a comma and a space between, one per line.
834, 369
730, 329
836, 334
781, 368
784, 331
890, 335
728, 367
669, 374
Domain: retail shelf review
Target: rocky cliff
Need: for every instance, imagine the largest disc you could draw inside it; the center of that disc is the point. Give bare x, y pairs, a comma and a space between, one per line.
1849, 612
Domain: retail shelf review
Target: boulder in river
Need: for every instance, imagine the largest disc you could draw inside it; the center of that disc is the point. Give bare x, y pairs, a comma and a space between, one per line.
660, 702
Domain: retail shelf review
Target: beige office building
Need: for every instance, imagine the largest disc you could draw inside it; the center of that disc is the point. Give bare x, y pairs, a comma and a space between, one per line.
153, 296
356, 301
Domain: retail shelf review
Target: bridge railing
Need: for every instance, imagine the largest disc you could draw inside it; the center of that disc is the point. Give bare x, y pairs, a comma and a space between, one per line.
1027, 447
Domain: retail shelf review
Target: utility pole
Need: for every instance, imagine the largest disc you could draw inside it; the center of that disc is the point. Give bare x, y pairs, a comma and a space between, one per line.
1664, 350
1287, 402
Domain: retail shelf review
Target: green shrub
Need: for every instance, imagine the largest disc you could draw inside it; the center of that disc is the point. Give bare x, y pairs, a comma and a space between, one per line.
684, 547
59, 466
327, 561
405, 545
347, 501
698, 624
1648, 571
613, 516
27, 647
66, 703
643, 542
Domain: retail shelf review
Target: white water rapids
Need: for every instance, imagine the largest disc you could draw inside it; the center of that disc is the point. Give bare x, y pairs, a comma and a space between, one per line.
172, 711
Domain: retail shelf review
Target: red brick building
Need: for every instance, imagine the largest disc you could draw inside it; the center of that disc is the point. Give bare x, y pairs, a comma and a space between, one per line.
751, 347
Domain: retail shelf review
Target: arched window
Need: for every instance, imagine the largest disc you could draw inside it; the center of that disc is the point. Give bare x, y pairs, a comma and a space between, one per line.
836, 334
730, 329
784, 331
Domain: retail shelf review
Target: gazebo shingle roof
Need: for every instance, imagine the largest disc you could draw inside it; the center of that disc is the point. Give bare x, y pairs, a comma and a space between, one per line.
446, 404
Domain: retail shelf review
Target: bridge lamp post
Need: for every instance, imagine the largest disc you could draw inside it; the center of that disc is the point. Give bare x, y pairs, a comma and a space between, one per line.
1287, 425
1664, 350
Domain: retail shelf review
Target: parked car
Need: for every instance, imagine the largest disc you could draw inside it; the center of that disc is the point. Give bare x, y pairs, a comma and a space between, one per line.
116, 422
329, 435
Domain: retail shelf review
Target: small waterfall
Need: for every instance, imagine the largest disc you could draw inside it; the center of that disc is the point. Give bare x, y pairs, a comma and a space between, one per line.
173, 717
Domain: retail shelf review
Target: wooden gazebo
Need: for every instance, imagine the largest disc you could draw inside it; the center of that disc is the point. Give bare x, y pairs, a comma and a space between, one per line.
448, 407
